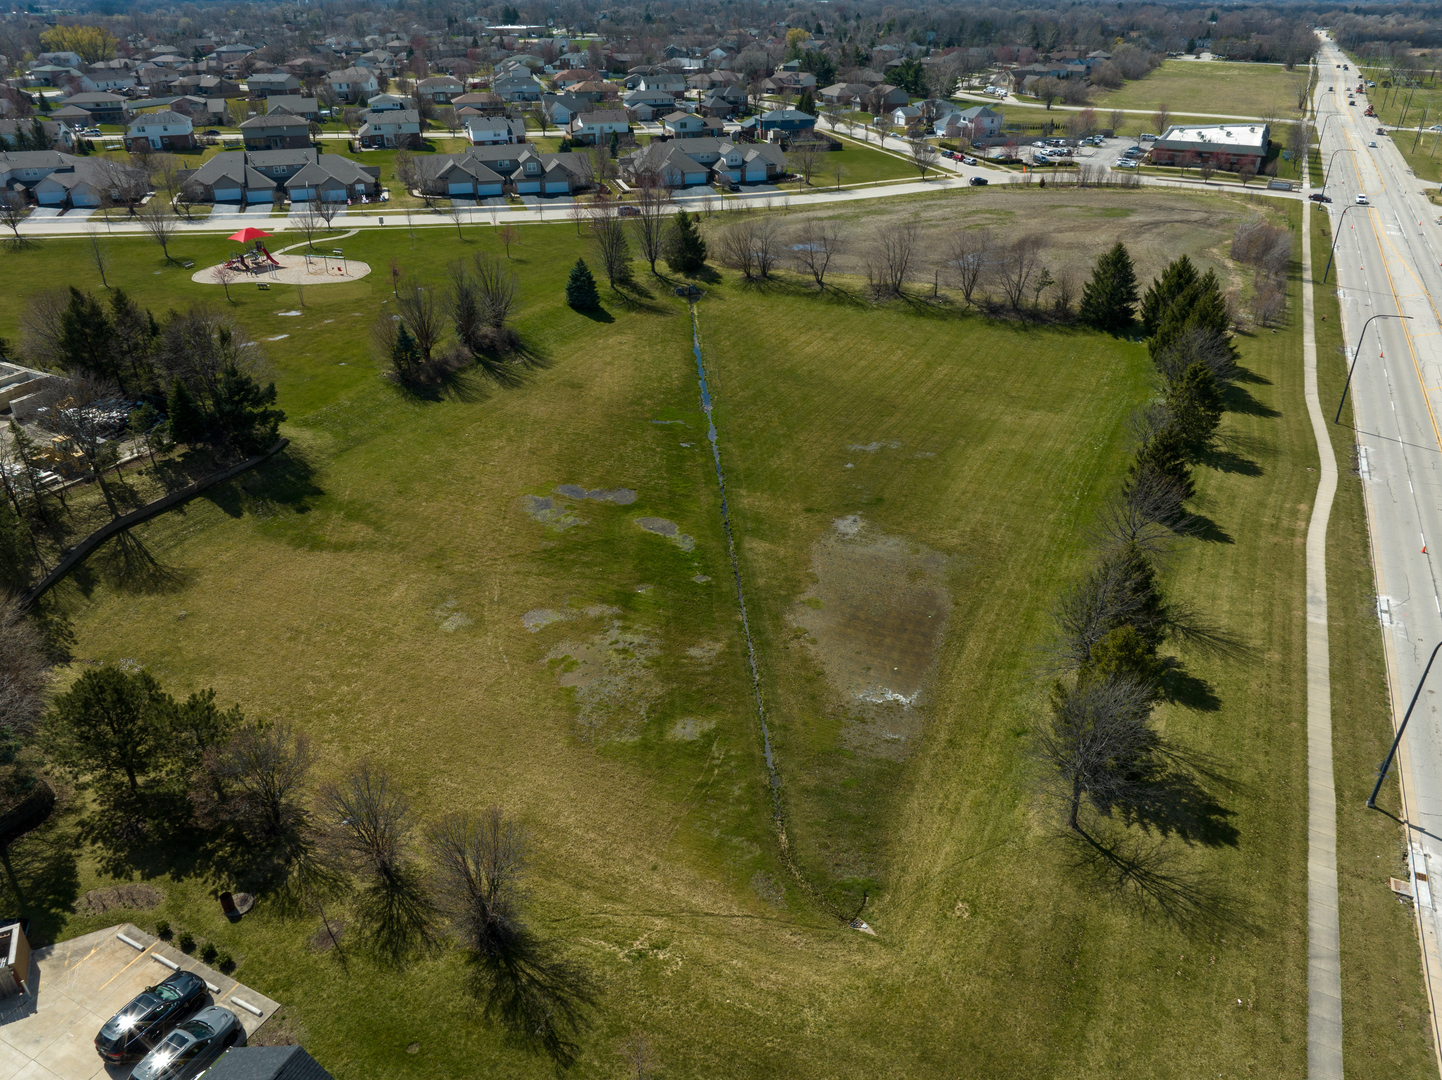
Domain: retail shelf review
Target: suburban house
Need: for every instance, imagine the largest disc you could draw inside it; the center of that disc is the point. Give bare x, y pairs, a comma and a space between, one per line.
55, 179
263, 84
483, 103
520, 169
164, 130
722, 101
241, 176
883, 98
561, 109
593, 127
785, 122
906, 116
440, 89
379, 102
353, 84
1229, 147
61, 135
682, 125
705, 161
390, 127
518, 87
985, 122
276, 131
305, 107
103, 108
594, 91
494, 130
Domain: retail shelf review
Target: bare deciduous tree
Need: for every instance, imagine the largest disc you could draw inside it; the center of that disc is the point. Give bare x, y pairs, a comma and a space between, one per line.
804, 156
222, 274
1016, 265
306, 218
265, 768
653, 221
815, 246
160, 224
42, 329
24, 673
1117, 119
924, 156
889, 264
1162, 118
751, 245
99, 254
13, 210
422, 315
967, 255
327, 209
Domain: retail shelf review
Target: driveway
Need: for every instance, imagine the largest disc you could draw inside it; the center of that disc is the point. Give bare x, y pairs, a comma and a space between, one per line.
79, 984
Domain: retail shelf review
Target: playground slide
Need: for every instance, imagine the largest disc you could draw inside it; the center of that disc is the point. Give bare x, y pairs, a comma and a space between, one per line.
269, 257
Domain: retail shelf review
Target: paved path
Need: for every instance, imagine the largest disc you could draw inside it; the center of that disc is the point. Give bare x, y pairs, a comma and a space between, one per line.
1324, 963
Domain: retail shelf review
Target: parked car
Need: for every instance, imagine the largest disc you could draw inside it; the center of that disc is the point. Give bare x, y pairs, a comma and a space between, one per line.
192, 1046
629, 211
1147, 136
1317, 196
1362, 199
968, 161
148, 1016
1126, 163
978, 181
1435, 127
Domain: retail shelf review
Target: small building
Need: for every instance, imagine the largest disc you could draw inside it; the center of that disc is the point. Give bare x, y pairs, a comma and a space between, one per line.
266, 1063
164, 130
263, 84
276, 131
390, 127
494, 130
103, 108
785, 122
14, 947
1229, 147
985, 122
593, 127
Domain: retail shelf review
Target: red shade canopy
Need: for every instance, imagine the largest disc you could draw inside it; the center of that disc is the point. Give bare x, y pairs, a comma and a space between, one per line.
248, 234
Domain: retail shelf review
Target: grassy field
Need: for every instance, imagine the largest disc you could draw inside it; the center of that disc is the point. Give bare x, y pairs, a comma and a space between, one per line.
1218, 88
859, 163
374, 592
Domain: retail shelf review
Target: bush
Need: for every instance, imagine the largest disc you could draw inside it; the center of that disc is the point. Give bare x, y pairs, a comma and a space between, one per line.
186, 941
162, 930
226, 963
209, 952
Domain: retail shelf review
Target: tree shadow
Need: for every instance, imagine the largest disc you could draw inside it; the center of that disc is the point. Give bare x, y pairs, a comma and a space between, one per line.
1247, 375
600, 315
1238, 399
1204, 528
1226, 460
1144, 876
397, 917
538, 996
1178, 686
147, 834
125, 560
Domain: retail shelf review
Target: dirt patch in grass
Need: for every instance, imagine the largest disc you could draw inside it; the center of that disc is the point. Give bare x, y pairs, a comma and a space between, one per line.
116, 897
670, 530
549, 512
619, 496
611, 678
327, 936
874, 618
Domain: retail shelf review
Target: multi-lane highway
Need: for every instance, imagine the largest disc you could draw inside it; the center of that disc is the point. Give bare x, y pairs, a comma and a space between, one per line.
1389, 263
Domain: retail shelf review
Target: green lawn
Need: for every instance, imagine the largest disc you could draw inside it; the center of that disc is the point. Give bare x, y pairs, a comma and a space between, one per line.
328, 593
1217, 87
861, 163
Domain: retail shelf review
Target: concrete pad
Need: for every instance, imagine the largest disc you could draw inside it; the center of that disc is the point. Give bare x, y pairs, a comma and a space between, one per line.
79, 984
42, 212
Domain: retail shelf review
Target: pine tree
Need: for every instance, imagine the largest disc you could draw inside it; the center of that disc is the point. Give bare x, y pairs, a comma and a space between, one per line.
581, 291
243, 411
1109, 299
1200, 306
686, 249
615, 146
1176, 278
806, 103
405, 353
1165, 453
186, 421
87, 339
1196, 403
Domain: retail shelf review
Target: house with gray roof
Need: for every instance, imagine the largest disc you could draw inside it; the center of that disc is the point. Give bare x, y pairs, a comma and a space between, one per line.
163, 130
707, 160
263, 84
276, 131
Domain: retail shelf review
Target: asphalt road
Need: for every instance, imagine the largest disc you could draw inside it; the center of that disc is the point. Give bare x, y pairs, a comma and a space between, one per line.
1389, 263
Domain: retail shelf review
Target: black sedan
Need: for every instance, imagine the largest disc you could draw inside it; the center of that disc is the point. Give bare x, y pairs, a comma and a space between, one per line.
978, 181
1317, 196
132, 1032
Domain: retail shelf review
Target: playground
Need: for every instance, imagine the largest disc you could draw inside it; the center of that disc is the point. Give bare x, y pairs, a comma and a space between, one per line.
254, 262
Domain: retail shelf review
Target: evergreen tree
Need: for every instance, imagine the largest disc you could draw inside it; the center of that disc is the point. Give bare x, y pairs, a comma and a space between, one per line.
1109, 299
405, 353
685, 248
581, 291
185, 419
110, 724
1179, 275
1199, 306
807, 103
16, 552
615, 145
243, 411
1165, 452
1196, 403
132, 343
87, 339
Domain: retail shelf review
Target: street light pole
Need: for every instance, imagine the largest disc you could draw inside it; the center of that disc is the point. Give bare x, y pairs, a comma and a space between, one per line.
1339, 150
1333, 252
1355, 354
1372, 799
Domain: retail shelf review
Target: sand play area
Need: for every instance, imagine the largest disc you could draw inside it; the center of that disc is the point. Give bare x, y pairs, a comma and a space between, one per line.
297, 269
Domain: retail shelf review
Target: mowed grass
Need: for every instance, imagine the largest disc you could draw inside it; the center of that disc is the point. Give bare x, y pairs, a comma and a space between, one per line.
324, 595
1211, 87
859, 163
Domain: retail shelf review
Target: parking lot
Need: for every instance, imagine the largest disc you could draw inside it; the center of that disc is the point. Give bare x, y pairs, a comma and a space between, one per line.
77, 985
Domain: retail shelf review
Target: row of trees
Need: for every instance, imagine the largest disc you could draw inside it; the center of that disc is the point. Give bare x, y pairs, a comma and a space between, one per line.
1102, 753
1267, 249
351, 846
434, 332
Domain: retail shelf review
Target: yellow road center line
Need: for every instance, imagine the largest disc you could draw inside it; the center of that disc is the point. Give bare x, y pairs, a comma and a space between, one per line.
1416, 366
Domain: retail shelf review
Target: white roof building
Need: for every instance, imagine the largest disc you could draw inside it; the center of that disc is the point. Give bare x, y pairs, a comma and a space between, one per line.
1225, 140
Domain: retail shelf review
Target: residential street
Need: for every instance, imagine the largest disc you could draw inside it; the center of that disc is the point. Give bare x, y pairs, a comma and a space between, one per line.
1387, 264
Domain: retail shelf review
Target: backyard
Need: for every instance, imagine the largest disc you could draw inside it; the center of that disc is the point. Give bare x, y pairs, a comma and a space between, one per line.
409, 585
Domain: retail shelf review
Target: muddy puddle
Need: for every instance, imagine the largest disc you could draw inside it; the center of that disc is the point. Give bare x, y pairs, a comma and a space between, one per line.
874, 619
